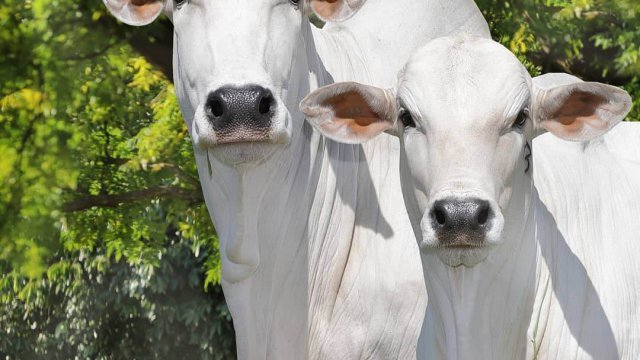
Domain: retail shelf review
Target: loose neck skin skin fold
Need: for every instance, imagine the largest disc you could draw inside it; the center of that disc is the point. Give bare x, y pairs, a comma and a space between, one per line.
318, 258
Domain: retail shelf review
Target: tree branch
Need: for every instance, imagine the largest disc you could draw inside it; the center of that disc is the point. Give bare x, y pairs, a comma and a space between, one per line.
175, 169
179, 172
88, 56
193, 196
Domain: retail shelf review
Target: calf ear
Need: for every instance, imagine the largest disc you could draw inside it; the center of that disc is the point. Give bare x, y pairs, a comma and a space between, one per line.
135, 12
579, 111
349, 112
335, 10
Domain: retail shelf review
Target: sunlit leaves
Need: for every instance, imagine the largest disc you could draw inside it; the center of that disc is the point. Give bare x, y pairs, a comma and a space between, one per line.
594, 39
82, 115
144, 76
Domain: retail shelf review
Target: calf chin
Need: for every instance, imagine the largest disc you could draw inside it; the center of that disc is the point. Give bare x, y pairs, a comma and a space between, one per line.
468, 257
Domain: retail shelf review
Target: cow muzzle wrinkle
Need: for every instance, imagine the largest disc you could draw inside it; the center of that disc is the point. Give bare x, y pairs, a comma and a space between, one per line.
461, 229
240, 114
461, 223
241, 124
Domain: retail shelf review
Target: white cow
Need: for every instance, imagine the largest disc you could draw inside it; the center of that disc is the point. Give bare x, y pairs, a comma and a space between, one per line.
313, 266
505, 279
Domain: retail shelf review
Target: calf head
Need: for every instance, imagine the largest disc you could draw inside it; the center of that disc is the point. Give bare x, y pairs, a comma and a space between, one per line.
465, 110
233, 67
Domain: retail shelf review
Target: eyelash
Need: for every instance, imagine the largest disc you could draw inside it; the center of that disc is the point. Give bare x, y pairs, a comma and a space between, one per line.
407, 119
521, 119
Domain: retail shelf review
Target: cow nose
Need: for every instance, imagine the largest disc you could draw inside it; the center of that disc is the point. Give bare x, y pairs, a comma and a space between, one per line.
240, 113
461, 221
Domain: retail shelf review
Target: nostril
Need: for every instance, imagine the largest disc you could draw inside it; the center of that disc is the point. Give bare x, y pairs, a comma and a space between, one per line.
483, 215
216, 107
441, 218
265, 104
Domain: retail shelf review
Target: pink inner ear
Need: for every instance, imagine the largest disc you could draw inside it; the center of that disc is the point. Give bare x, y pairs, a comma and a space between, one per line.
350, 109
326, 9
580, 109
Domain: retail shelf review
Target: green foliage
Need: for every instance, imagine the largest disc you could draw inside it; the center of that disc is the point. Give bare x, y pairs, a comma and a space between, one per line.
597, 40
92, 307
106, 250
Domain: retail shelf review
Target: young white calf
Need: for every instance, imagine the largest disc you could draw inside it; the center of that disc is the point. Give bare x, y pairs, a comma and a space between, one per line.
505, 279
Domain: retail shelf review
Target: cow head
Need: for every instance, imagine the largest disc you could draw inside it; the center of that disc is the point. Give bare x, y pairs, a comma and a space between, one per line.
233, 65
466, 111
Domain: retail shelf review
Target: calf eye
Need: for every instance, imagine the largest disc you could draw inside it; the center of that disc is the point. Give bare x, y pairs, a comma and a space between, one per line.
294, 2
521, 119
406, 119
180, 2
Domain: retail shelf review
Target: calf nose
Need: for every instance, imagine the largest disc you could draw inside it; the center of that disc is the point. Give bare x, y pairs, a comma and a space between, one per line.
461, 222
240, 113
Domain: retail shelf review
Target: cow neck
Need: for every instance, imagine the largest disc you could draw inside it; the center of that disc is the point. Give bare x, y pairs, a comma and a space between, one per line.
484, 312
274, 220
261, 215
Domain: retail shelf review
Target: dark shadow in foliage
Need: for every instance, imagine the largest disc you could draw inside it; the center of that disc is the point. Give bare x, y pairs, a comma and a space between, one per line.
123, 312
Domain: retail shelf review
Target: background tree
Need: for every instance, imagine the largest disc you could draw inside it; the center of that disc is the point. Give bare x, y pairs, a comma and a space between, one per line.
106, 250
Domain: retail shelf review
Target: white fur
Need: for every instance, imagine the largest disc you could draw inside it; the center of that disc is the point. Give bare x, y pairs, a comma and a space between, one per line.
559, 279
318, 258
561, 284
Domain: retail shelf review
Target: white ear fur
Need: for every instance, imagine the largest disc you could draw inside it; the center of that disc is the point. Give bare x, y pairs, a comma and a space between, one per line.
335, 10
575, 110
135, 12
551, 80
349, 112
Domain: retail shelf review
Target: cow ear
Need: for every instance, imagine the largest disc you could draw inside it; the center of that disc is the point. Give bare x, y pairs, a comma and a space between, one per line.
335, 10
135, 12
349, 112
579, 111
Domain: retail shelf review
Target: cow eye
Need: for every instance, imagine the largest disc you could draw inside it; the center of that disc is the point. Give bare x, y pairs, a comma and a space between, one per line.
521, 119
180, 2
294, 2
406, 119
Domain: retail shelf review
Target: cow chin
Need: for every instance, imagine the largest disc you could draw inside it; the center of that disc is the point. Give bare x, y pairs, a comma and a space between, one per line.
243, 145
244, 153
468, 257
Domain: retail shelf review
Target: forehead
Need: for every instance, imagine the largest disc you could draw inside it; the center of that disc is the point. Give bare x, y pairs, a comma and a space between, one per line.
462, 73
